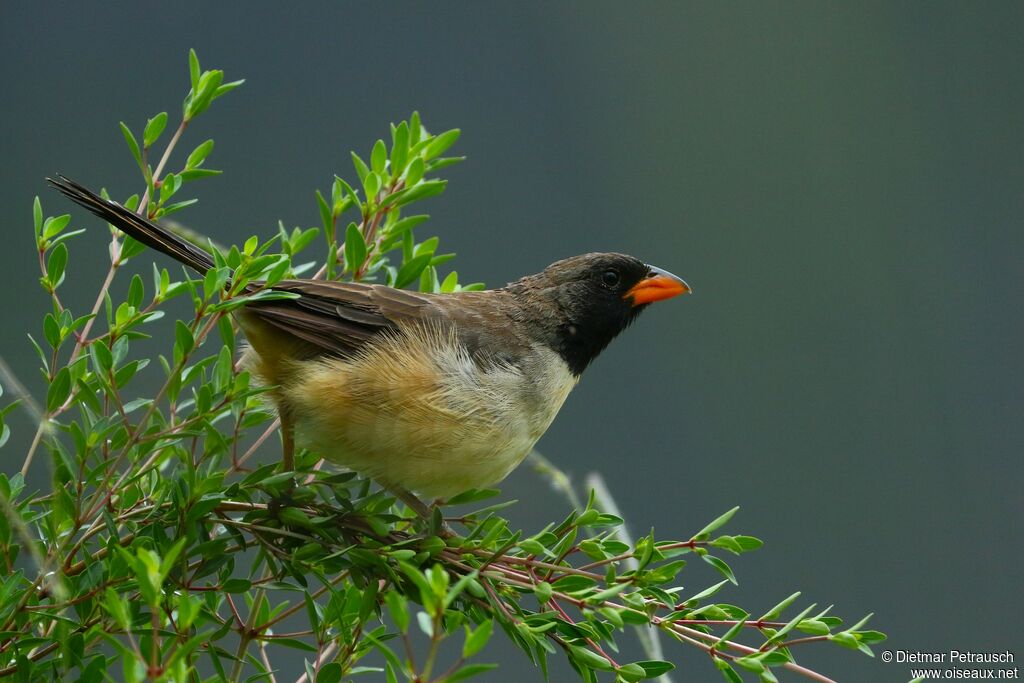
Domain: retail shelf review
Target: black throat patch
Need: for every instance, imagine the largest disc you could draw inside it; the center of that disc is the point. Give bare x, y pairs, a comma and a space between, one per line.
582, 339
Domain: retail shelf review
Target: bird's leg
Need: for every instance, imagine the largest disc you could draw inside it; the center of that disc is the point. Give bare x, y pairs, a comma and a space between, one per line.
287, 442
422, 510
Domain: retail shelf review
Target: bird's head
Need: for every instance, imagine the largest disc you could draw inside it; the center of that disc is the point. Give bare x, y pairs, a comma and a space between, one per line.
583, 302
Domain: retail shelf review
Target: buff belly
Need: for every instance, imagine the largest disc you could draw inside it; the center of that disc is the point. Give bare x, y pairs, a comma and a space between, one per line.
415, 410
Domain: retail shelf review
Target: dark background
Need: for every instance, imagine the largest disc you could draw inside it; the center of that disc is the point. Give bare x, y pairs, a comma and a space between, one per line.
840, 184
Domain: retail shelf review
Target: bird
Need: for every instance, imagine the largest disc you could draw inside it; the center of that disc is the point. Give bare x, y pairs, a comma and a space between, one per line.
429, 394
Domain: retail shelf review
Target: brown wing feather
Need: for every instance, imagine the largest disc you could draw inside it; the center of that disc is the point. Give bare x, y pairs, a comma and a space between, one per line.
338, 318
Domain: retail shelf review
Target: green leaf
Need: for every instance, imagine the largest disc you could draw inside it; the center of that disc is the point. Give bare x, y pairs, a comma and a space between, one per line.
176, 207
737, 544
406, 224
37, 216
132, 144
442, 142
425, 623
154, 127
371, 185
731, 633
427, 188
631, 673
361, 168
199, 154
780, 634
663, 574
727, 671
859, 624
813, 626
468, 671
707, 592
55, 265
543, 591
355, 248
438, 577
411, 270
780, 608
472, 496
399, 149
533, 546
477, 639
236, 585
870, 636
54, 225
717, 523
193, 68
398, 608
225, 88
378, 157
844, 639
589, 658
414, 172
203, 94
183, 340
302, 239
116, 607
450, 282
439, 164
295, 644
59, 390
607, 593
102, 358
722, 567
329, 673
464, 583
191, 174
415, 128
747, 543
574, 583
168, 186
136, 292
325, 213
427, 246
214, 281
427, 596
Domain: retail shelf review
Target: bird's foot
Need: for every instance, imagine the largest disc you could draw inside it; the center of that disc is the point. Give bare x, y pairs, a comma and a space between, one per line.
430, 515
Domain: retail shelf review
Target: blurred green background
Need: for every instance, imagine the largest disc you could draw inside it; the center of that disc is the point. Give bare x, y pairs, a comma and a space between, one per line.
841, 184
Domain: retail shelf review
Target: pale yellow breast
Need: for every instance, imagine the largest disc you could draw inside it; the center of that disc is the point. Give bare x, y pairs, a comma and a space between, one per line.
415, 410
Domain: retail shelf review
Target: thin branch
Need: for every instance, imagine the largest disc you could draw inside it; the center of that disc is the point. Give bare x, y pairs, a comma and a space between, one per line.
320, 659
171, 144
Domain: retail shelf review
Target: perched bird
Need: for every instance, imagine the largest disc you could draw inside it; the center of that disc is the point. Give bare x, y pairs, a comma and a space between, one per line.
427, 393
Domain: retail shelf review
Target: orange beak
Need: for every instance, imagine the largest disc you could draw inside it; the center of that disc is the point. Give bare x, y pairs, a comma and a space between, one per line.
659, 284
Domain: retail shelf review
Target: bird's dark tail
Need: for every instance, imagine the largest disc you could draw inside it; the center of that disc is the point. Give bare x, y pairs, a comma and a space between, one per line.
145, 231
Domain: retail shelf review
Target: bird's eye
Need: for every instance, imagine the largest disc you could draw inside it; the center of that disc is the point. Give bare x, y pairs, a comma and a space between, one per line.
610, 278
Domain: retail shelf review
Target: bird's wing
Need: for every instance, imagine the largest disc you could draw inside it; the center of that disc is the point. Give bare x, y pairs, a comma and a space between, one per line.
338, 318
